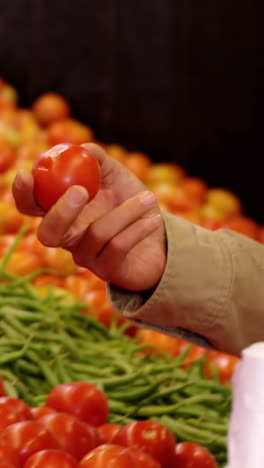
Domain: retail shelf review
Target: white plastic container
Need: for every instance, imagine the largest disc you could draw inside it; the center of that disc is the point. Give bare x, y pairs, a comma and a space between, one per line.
246, 430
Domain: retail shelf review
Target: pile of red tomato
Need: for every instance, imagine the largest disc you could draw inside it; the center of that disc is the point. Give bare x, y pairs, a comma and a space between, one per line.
25, 133
71, 431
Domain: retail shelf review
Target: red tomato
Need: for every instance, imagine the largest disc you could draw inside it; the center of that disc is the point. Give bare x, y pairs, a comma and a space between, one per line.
6, 464
225, 364
190, 455
2, 387
69, 131
82, 399
40, 411
60, 167
10, 456
73, 435
51, 459
13, 410
49, 108
150, 436
144, 460
109, 455
109, 430
25, 438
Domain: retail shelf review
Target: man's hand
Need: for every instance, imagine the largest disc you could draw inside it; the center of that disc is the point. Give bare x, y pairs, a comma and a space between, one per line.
119, 235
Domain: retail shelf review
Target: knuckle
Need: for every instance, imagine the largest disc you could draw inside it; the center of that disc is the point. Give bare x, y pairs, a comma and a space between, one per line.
116, 246
95, 235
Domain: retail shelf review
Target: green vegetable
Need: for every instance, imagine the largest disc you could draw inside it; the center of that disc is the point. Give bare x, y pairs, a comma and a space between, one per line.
45, 341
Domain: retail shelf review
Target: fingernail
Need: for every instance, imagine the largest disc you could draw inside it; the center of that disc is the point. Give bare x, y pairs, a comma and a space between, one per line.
147, 198
155, 219
77, 196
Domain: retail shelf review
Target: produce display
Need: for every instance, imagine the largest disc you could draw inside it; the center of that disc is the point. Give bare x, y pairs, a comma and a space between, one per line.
60, 337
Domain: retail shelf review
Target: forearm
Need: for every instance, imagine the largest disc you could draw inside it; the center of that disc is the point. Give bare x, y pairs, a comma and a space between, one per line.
213, 287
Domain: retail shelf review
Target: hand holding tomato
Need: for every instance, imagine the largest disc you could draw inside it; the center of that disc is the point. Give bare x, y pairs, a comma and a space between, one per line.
119, 235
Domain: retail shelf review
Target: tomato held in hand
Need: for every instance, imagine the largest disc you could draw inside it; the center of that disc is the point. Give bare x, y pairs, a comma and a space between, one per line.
150, 436
82, 399
26, 438
74, 436
64, 165
109, 455
190, 455
51, 459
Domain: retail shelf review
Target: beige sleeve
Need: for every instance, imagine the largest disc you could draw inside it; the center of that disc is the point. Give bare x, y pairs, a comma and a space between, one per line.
212, 290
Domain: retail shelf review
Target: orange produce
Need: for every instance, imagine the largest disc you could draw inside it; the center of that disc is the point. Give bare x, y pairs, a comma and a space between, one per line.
68, 131
116, 152
164, 172
59, 261
49, 108
245, 226
22, 262
7, 156
139, 164
224, 201
195, 188
160, 342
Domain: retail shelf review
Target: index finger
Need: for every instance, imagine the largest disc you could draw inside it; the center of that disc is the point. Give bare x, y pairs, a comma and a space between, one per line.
22, 188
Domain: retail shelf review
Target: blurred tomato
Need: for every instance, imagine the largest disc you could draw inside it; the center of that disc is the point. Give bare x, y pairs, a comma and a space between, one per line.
109, 455
195, 188
49, 108
13, 410
59, 261
225, 201
139, 164
212, 213
245, 226
73, 435
174, 198
69, 131
168, 173
48, 280
160, 342
31, 150
151, 437
81, 399
195, 353
39, 411
109, 430
51, 459
214, 224
224, 363
117, 152
144, 460
7, 156
25, 438
23, 262
190, 455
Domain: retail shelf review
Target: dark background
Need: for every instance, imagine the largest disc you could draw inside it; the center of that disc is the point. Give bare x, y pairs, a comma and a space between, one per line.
174, 78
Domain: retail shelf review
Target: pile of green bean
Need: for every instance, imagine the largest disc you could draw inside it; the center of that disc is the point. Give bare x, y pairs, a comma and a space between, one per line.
45, 341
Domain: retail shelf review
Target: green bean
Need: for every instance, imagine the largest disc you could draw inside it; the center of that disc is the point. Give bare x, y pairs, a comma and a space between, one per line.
10, 389
133, 395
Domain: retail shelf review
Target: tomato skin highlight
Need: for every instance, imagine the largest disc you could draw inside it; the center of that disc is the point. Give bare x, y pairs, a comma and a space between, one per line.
26, 438
12, 411
82, 399
151, 437
51, 459
60, 167
190, 455
74, 436
109, 455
